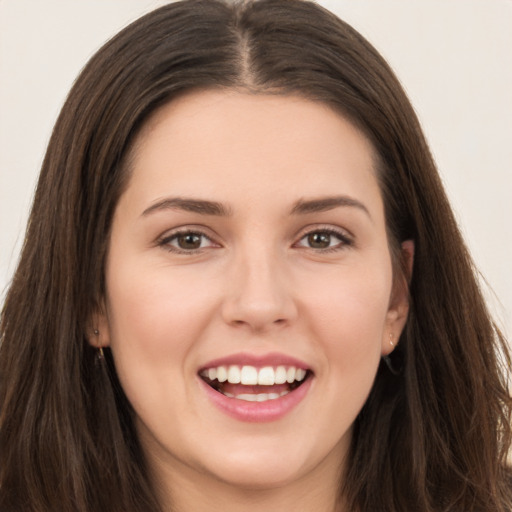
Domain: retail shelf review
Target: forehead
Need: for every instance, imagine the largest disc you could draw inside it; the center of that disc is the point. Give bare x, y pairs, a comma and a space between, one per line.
229, 108
222, 142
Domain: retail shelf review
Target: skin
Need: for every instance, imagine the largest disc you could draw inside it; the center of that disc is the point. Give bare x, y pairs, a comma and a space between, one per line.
255, 285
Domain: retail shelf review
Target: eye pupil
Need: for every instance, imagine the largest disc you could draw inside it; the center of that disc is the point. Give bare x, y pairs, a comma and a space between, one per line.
319, 240
189, 241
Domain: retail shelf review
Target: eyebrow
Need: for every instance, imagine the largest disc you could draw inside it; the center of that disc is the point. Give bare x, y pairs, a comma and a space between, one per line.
324, 204
200, 206
205, 207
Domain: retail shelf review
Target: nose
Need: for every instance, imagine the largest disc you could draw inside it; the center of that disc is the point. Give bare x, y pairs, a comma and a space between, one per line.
259, 294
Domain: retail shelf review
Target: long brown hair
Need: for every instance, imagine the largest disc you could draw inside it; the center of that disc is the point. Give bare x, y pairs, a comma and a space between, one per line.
434, 433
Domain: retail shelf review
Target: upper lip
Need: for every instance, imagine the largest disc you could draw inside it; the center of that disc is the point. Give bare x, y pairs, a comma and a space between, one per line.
256, 360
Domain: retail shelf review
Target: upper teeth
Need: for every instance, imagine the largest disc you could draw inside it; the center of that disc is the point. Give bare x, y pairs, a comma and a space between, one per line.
250, 375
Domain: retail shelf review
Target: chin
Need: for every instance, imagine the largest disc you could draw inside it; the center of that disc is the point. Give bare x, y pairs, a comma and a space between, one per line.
272, 464
260, 475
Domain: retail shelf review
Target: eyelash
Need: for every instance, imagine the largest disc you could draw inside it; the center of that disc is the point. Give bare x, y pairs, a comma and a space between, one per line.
165, 241
341, 235
345, 240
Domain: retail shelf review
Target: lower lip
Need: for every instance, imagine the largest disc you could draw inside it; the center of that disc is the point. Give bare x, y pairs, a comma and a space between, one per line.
270, 410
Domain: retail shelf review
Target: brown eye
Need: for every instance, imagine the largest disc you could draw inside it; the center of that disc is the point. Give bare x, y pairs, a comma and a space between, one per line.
325, 240
319, 240
189, 241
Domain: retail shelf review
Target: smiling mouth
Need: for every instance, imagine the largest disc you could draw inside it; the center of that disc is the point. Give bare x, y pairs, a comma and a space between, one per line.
253, 384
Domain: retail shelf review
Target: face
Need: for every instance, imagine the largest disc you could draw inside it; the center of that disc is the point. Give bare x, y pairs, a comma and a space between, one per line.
249, 287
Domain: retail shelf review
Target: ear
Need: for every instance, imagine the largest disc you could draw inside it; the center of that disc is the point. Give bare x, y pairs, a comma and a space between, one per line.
399, 303
98, 331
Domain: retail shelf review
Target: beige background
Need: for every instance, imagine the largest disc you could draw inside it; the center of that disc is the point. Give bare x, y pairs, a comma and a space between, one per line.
454, 58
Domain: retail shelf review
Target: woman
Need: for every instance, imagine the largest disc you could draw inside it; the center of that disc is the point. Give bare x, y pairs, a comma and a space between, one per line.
242, 286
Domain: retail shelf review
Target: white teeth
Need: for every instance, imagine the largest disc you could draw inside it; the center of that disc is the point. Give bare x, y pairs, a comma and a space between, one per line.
234, 375
222, 374
257, 397
261, 397
252, 376
280, 376
266, 376
247, 397
300, 374
248, 376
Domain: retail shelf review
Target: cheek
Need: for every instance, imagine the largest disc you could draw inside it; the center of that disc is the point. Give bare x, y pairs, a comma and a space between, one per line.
347, 311
152, 306
345, 316
155, 319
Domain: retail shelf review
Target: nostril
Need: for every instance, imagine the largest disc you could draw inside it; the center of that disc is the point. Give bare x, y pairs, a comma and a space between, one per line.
257, 298
256, 325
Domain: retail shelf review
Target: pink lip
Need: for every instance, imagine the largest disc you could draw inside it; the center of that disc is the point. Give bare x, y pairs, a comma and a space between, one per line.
271, 410
258, 361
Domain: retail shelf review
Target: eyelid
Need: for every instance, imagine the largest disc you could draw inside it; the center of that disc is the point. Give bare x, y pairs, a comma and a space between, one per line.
344, 235
165, 239
346, 238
